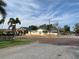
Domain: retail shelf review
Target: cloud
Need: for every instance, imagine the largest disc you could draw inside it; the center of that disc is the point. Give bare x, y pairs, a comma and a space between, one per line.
40, 11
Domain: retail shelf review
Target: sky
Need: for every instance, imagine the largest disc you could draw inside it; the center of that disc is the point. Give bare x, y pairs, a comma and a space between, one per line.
38, 12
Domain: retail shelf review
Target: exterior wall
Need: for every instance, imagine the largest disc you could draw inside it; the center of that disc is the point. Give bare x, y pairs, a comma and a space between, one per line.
40, 32
37, 33
53, 34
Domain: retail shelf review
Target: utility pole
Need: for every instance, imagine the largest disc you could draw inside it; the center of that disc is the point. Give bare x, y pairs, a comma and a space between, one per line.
58, 28
49, 29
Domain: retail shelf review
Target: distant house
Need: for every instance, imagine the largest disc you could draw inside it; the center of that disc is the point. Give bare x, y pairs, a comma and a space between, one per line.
42, 32
36, 32
22, 31
53, 32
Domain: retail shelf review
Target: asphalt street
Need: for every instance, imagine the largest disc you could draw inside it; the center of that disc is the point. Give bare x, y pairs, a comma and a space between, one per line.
40, 51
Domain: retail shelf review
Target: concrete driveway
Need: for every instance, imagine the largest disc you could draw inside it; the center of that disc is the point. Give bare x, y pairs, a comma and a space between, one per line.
38, 51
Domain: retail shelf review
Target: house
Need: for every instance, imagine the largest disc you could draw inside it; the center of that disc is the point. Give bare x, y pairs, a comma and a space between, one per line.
42, 32
37, 32
53, 32
22, 30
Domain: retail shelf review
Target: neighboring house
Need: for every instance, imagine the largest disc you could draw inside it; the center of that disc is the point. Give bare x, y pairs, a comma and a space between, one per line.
22, 31
37, 32
54, 32
42, 32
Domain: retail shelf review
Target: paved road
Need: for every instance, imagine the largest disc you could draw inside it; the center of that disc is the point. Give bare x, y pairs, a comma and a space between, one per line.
38, 51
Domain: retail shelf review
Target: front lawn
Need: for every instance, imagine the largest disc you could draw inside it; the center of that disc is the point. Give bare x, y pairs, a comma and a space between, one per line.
9, 43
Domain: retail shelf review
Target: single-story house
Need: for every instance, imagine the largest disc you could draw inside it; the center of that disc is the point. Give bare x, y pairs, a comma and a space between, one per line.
42, 32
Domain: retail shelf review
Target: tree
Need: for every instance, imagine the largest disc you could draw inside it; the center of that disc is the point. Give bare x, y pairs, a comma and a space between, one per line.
61, 29
2, 21
2, 11
32, 27
44, 26
47, 27
76, 29
66, 29
12, 24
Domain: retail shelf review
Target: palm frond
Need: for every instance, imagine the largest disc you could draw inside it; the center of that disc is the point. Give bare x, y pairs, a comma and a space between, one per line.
3, 12
2, 3
11, 21
14, 27
18, 21
9, 26
2, 21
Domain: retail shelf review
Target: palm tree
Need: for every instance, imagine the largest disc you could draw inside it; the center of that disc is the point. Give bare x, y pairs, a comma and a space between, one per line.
2, 11
12, 24
2, 21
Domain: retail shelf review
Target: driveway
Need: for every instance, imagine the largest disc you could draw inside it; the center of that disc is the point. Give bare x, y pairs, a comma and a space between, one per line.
38, 51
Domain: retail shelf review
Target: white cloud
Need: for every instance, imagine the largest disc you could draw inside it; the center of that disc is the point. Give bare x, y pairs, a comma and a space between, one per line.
39, 11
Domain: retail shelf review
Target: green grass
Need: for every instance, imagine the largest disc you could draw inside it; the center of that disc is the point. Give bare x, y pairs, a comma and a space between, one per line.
9, 43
